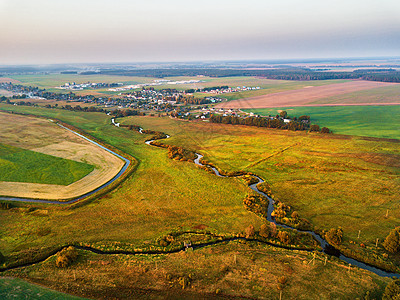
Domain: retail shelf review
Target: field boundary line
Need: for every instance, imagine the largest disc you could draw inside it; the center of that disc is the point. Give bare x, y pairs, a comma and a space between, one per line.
271, 155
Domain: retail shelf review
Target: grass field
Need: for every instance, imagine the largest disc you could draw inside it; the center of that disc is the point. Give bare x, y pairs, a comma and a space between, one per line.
372, 121
161, 196
44, 142
14, 288
331, 180
218, 272
19, 165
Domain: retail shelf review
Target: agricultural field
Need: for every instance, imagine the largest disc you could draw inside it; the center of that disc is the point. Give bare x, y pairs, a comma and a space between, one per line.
39, 156
268, 86
309, 95
372, 121
20, 165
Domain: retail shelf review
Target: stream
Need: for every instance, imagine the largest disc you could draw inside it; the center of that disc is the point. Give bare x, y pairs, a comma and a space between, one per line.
327, 248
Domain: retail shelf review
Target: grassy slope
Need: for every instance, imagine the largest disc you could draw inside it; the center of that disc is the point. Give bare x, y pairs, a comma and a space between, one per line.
373, 121
331, 180
161, 196
20, 165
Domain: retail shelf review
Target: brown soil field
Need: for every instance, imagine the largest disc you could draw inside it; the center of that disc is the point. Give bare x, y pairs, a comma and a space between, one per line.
46, 137
306, 96
6, 79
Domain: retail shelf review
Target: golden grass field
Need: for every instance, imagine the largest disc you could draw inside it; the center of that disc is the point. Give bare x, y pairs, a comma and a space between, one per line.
307, 95
43, 136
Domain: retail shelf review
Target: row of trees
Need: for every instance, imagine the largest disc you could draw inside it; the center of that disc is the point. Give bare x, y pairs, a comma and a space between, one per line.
302, 123
282, 74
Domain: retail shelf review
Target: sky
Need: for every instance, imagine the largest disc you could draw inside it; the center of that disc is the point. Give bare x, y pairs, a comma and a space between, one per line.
86, 31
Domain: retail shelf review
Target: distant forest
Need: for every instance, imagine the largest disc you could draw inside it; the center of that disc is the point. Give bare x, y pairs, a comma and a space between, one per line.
385, 75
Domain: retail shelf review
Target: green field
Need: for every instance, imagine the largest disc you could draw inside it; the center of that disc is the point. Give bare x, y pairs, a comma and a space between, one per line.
373, 121
14, 288
21, 165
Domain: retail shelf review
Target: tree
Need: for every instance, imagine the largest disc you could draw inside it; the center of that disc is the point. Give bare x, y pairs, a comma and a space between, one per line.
314, 127
392, 241
2, 258
264, 230
335, 236
66, 257
295, 215
284, 237
392, 290
283, 114
250, 231
325, 130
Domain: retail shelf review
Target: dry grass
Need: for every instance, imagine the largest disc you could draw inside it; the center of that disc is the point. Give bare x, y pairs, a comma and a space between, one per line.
43, 136
227, 271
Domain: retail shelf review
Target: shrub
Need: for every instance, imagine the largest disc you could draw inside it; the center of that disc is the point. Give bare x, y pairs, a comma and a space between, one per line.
334, 236
392, 241
250, 231
314, 128
392, 290
265, 230
66, 257
284, 237
325, 130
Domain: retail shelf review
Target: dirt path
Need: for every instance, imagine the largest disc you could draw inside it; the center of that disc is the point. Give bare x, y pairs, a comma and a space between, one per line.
307, 95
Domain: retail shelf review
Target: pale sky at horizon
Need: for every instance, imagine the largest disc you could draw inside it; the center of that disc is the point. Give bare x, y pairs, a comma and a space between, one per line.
50, 31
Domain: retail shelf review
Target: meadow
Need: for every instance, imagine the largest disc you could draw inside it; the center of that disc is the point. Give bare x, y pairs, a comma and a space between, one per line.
14, 288
225, 271
310, 172
372, 121
20, 165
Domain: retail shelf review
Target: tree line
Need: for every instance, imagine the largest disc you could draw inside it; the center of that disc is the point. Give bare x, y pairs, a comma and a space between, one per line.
269, 122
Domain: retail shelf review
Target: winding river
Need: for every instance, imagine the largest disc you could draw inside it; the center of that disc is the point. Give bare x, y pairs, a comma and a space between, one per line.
327, 248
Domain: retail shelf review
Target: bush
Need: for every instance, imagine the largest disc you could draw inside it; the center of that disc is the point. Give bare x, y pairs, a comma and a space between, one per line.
334, 236
265, 230
66, 257
325, 130
250, 231
314, 128
392, 241
392, 290
284, 237
2, 258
